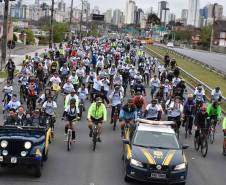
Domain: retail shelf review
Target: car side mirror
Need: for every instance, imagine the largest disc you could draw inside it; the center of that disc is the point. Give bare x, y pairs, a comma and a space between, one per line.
126, 141
185, 146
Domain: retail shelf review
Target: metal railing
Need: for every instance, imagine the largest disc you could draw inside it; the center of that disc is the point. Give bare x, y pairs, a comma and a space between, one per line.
208, 88
209, 67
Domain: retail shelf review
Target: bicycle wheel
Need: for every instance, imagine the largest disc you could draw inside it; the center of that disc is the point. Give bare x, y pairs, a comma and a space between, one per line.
186, 129
114, 124
69, 140
196, 143
94, 140
211, 136
204, 147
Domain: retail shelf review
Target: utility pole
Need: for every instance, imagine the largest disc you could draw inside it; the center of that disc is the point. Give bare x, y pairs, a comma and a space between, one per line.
71, 13
80, 25
5, 34
212, 31
51, 26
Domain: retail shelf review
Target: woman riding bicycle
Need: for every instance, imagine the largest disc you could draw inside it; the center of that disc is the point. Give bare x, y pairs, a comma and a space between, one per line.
71, 113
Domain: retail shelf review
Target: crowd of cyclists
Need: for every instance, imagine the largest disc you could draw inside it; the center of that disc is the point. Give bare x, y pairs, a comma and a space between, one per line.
104, 73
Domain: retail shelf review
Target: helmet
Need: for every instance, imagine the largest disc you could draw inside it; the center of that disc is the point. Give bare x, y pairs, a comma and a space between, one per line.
73, 101
217, 88
167, 81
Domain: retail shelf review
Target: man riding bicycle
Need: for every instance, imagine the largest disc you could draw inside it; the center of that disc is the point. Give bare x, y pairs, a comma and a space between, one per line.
214, 112
128, 115
97, 114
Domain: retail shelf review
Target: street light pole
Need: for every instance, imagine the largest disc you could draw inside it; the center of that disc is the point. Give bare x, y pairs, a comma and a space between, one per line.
80, 25
51, 26
212, 31
5, 33
71, 13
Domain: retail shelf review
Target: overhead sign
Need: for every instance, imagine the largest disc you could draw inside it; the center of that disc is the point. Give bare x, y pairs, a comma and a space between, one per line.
97, 17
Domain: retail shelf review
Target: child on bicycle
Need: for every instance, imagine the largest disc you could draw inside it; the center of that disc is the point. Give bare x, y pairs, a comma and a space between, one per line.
71, 113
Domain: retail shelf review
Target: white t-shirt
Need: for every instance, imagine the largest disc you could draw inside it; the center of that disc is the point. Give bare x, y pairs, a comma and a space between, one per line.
55, 80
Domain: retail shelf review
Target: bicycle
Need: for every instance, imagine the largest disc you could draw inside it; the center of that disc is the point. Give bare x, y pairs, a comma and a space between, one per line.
188, 121
95, 133
212, 130
115, 117
69, 134
50, 123
201, 141
81, 107
224, 143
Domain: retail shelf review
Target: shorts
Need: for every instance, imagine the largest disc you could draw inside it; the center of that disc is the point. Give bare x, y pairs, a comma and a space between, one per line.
94, 120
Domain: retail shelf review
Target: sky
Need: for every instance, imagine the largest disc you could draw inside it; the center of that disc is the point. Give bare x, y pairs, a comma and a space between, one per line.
175, 5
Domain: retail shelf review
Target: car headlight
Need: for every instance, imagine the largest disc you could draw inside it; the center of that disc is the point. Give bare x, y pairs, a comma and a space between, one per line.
27, 145
136, 163
4, 143
181, 166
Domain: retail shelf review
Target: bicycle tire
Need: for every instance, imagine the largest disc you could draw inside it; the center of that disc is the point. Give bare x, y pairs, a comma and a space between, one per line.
94, 141
211, 137
196, 143
69, 141
114, 124
186, 130
204, 147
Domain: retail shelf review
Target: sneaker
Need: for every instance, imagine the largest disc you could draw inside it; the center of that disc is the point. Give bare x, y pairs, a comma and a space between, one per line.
91, 133
98, 139
65, 137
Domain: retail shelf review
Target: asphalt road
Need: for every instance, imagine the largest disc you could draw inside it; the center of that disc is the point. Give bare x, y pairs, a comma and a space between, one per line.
82, 166
216, 60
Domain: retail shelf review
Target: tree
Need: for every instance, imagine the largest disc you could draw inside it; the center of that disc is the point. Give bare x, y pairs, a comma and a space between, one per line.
30, 36
59, 29
205, 36
153, 19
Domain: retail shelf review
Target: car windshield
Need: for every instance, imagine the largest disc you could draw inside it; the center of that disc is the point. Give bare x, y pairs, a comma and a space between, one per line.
156, 140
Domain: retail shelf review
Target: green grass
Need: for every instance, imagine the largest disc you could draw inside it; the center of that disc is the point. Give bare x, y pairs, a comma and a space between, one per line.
210, 78
3, 74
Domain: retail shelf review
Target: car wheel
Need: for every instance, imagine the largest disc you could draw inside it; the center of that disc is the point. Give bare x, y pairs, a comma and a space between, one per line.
37, 171
126, 178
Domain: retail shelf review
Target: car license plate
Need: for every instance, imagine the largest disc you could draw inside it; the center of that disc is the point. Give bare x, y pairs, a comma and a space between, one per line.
13, 160
158, 175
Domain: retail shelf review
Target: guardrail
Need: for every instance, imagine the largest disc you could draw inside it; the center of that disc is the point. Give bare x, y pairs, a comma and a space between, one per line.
190, 76
209, 67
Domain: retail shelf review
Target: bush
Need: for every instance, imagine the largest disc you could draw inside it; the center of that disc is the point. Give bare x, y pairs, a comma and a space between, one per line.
30, 36
43, 40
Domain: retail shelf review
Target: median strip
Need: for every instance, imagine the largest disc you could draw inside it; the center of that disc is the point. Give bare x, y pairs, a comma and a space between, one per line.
208, 77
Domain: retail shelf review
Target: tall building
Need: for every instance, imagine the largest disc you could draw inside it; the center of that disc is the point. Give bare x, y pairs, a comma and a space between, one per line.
86, 11
117, 17
139, 16
130, 12
37, 2
62, 6
108, 16
96, 10
172, 17
163, 11
193, 13
184, 13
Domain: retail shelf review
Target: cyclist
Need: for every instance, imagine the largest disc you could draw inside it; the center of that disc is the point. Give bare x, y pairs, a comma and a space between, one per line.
14, 103
140, 103
201, 121
8, 92
112, 71
71, 112
189, 112
153, 111
155, 84
139, 88
224, 130
175, 111
216, 94
116, 98
74, 79
128, 115
32, 91
199, 96
97, 114
69, 97
214, 112
44, 96
68, 87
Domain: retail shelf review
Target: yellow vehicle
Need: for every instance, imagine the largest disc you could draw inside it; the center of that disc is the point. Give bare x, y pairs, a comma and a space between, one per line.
147, 40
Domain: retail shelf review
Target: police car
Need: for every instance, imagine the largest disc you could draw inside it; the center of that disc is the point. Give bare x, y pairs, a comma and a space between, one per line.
153, 154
